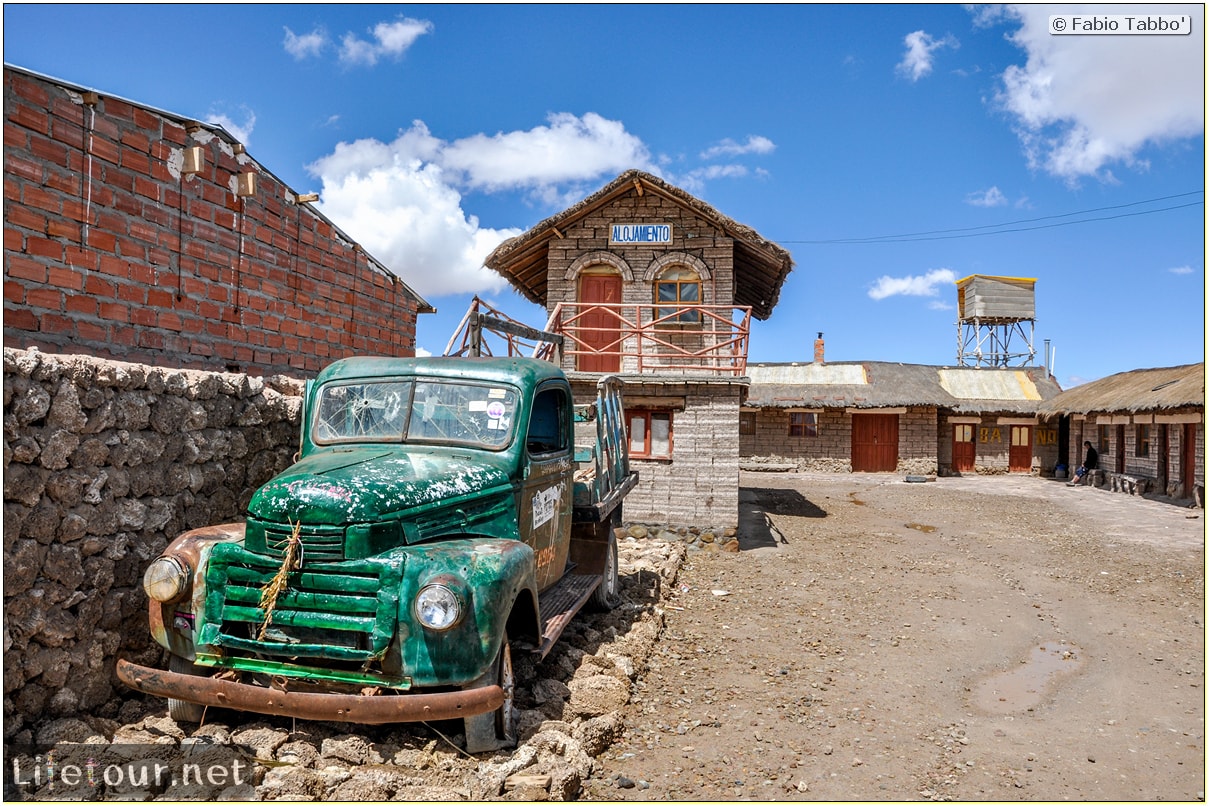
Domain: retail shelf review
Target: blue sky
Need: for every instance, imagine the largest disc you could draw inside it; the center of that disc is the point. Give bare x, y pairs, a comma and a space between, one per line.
984, 143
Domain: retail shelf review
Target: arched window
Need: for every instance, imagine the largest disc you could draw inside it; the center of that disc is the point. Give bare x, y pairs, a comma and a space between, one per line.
678, 286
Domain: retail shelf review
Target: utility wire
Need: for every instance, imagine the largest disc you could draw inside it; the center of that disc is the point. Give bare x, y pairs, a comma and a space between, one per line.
995, 229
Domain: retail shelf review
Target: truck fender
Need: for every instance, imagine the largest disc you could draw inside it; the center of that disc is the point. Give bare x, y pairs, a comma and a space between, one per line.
491, 576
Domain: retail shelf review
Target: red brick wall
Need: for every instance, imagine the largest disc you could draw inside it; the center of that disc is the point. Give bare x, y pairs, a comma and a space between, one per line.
110, 251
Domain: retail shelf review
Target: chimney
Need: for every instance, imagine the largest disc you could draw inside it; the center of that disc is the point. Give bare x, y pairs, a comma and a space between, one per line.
818, 349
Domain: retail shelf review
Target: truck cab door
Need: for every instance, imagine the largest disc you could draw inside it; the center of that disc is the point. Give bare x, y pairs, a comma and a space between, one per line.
545, 517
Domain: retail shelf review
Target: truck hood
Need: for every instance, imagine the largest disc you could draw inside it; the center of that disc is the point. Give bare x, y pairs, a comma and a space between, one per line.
368, 484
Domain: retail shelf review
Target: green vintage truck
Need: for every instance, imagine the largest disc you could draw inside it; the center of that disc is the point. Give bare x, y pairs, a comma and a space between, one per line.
439, 516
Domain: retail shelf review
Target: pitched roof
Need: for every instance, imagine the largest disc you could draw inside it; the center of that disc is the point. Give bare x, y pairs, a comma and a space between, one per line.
1158, 389
761, 266
876, 384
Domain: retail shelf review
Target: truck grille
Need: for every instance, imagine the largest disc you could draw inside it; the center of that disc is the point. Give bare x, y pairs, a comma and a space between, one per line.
344, 611
318, 542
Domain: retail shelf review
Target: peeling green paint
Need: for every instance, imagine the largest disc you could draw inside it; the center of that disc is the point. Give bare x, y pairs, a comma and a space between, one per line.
383, 508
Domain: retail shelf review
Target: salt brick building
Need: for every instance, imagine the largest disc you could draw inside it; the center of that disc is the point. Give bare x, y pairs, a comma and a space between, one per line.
643, 280
136, 234
1148, 426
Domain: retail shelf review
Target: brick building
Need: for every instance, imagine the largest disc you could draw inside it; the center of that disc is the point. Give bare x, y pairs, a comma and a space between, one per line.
876, 416
139, 235
643, 280
1148, 426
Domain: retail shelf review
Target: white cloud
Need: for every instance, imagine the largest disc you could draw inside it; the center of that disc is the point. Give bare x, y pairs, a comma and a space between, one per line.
991, 197
917, 61
570, 148
729, 148
390, 39
403, 200
305, 45
1084, 103
1181, 270
240, 131
912, 286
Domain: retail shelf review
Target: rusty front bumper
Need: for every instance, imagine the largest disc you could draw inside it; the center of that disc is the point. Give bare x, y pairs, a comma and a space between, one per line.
368, 710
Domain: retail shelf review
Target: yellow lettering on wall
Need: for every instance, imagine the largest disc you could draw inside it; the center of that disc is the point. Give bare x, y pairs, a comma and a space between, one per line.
996, 435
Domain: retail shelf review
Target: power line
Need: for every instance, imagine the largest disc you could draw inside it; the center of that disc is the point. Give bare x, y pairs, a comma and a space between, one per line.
997, 229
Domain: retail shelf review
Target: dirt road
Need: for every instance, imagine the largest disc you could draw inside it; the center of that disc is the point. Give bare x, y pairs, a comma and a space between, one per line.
1004, 638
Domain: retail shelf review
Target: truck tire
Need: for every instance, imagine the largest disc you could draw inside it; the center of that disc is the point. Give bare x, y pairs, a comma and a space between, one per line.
496, 730
608, 592
183, 710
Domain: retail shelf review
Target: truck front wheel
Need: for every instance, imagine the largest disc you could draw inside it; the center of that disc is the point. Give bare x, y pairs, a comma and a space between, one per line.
496, 730
183, 710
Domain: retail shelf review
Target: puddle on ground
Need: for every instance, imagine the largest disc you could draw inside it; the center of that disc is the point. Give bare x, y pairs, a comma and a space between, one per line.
921, 527
1026, 686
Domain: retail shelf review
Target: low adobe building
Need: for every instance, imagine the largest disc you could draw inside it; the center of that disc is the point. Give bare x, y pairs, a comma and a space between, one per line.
1148, 426
643, 280
877, 416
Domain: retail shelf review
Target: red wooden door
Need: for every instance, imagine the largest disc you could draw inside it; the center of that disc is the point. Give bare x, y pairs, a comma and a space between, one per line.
1188, 459
600, 329
874, 443
963, 447
1020, 454
1164, 456
1120, 449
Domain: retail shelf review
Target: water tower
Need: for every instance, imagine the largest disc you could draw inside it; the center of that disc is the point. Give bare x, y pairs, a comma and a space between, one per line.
992, 314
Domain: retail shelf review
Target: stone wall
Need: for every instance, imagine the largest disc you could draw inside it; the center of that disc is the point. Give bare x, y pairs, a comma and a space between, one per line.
829, 449
104, 463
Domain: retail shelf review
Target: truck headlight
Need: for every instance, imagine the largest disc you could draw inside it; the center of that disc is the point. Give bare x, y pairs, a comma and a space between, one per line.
166, 580
437, 607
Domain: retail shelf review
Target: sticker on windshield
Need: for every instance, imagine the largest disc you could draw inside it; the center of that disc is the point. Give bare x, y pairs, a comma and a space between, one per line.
477, 405
495, 409
498, 393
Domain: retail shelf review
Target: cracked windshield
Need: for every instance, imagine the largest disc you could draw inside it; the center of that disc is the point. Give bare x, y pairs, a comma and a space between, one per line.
420, 411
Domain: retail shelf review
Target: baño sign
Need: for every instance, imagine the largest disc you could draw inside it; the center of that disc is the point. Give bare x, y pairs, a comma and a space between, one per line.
640, 234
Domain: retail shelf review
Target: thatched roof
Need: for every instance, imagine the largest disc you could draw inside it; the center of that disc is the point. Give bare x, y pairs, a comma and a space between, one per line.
1161, 389
761, 266
877, 384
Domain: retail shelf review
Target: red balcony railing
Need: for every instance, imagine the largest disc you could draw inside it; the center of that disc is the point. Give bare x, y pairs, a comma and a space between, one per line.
651, 339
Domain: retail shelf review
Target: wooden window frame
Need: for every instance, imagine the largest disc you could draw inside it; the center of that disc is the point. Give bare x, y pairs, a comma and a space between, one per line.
1103, 441
747, 423
647, 415
688, 318
803, 424
1141, 440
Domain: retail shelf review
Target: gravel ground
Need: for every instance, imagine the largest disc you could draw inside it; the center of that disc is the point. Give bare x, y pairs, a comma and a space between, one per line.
1004, 638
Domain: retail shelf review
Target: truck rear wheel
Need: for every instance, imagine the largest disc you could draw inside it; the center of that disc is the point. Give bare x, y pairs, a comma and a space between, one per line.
496, 730
183, 710
608, 592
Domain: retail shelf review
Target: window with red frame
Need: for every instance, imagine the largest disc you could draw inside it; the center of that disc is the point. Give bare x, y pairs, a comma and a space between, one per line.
650, 432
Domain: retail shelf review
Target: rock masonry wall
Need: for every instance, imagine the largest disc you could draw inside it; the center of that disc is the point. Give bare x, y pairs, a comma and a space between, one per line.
104, 463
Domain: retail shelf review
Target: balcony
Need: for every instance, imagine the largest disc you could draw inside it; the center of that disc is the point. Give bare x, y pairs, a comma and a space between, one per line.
671, 339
